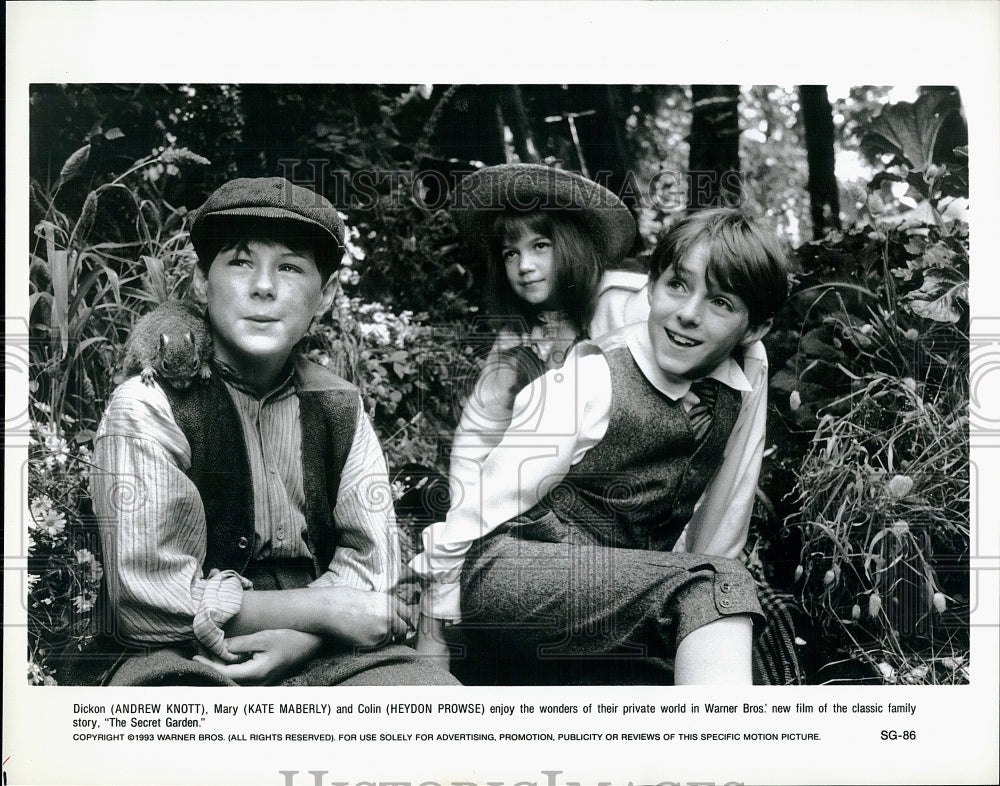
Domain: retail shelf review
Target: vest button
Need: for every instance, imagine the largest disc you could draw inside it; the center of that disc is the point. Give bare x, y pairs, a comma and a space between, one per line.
726, 586
243, 543
725, 603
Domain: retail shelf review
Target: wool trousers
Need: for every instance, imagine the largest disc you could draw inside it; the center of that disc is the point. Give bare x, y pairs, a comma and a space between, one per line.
575, 612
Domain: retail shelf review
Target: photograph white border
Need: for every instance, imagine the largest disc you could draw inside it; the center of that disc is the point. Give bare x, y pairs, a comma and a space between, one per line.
561, 42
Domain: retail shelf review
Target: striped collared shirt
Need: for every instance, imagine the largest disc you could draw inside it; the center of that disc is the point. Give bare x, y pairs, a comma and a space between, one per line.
153, 522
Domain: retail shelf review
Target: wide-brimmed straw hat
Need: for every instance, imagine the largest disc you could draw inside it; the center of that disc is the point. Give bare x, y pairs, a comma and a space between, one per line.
244, 202
512, 188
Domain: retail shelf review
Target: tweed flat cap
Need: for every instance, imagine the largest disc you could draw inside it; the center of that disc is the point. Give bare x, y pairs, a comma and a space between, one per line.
514, 188
267, 199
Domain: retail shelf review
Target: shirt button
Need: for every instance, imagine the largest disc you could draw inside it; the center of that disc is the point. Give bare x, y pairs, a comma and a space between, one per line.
281, 534
243, 543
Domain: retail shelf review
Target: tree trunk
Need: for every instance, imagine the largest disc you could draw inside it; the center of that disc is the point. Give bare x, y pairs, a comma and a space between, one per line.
824, 198
516, 118
714, 159
605, 147
470, 128
258, 119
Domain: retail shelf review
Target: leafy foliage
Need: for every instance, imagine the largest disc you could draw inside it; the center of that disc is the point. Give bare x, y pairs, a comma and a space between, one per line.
865, 490
412, 376
872, 387
64, 568
86, 293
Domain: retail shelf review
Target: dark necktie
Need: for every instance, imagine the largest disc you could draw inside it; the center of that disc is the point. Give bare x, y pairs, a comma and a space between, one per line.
700, 414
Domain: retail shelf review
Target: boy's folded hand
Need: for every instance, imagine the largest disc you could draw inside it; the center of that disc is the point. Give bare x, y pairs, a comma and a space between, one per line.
365, 618
271, 655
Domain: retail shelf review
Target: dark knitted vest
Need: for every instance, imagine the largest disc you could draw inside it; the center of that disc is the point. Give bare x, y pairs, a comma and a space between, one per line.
637, 488
220, 467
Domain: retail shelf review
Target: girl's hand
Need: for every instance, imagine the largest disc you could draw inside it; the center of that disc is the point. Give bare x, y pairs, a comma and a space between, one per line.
273, 655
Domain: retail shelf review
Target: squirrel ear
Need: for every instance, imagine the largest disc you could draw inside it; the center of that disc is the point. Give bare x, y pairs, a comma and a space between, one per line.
164, 340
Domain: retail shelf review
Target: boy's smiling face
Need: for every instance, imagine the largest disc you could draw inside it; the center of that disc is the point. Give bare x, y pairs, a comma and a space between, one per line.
693, 324
262, 297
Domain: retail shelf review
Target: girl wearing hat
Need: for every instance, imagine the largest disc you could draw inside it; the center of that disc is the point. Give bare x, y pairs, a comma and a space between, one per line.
603, 530
547, 236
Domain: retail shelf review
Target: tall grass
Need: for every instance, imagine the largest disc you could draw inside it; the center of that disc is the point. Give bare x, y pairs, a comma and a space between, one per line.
90, 279
882, 493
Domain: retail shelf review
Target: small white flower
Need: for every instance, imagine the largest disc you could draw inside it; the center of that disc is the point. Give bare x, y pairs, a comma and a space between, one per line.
916, 674
84, 602
952, 663
888, 672
40, 506
52, 523
900, 486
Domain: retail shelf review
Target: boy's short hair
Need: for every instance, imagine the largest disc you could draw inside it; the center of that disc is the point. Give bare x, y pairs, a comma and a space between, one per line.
743, 257
268, 208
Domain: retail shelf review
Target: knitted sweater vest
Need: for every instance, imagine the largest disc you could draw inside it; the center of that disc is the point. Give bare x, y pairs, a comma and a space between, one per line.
637, 488
220, 467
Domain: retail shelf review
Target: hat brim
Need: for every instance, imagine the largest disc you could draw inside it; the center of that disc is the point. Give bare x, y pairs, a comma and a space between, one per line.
248, 207
228, 224
520, 188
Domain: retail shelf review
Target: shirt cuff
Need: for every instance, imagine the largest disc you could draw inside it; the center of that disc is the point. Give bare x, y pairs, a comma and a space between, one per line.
442, 601
220, 601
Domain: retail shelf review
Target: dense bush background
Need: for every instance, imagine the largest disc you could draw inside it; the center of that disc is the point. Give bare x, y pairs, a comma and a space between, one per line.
863, 510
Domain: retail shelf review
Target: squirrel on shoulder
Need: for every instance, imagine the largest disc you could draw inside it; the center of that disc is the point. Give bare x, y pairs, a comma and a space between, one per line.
173, 343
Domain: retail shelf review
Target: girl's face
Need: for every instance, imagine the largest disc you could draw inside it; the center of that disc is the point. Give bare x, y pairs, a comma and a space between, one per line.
529, 262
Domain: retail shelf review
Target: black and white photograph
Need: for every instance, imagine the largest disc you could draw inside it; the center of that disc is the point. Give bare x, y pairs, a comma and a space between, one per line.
482, 424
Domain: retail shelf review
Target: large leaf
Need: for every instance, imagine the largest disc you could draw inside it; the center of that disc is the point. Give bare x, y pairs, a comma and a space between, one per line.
910, 130
938, 298
59, 275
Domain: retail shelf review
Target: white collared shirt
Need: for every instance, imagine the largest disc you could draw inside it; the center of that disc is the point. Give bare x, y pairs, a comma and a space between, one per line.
555, 421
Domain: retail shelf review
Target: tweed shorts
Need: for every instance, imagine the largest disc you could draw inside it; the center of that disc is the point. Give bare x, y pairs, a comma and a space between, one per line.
589, 599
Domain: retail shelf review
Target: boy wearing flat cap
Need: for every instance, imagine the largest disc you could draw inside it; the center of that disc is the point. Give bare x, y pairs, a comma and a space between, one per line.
246, 520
